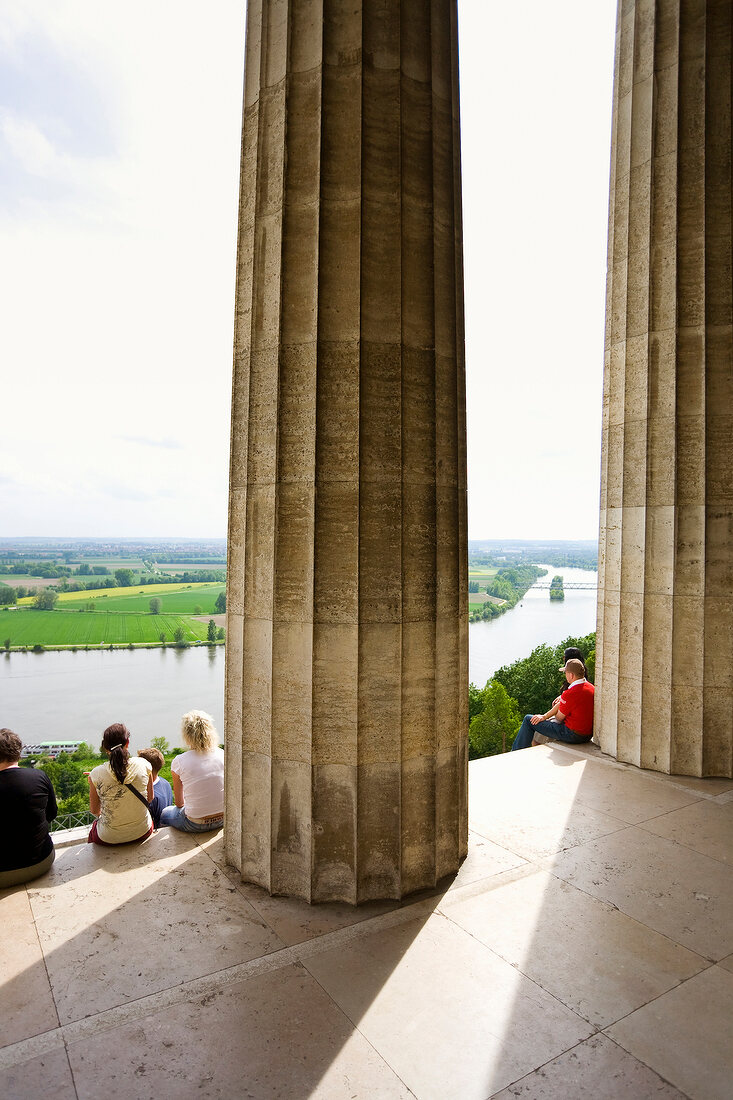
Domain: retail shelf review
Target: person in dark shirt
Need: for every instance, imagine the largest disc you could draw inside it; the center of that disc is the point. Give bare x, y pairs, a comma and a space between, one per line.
27, 804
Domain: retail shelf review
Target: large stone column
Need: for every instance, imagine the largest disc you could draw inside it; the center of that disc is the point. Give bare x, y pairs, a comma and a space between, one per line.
665, 621
346, 706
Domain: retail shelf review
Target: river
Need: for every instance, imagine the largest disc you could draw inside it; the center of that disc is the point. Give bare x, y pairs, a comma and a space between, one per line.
73, 696
534, 620
62, 695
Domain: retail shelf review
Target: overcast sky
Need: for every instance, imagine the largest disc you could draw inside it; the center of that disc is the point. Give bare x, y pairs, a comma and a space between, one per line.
119, 148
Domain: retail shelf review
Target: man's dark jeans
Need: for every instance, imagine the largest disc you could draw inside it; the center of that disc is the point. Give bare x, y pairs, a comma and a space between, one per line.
551, 728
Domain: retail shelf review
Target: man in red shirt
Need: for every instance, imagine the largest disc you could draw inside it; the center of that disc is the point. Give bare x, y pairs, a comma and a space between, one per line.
570, 718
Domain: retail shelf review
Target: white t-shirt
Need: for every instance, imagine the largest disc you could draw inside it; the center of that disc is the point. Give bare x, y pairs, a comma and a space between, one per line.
202, 776
123, 816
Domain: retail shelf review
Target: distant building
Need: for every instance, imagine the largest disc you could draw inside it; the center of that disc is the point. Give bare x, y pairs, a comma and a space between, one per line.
50, 748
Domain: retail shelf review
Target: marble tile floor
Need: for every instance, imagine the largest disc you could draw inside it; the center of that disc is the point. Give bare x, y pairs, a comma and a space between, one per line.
584, 948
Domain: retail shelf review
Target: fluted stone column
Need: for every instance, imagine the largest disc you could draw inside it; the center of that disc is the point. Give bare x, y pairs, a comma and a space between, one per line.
346, 698
665, 647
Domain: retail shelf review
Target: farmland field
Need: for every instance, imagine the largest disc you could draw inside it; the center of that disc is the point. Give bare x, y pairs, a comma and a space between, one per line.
176, 599
138, 597
482, 572
14, 580
28, 628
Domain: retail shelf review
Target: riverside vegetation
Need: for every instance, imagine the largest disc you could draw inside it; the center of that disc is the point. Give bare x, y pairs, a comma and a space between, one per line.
504, 590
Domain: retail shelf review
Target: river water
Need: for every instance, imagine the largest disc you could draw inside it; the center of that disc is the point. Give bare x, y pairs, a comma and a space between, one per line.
534, 620
74, 696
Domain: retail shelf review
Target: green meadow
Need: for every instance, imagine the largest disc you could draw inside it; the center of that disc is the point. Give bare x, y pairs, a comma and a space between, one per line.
175, 599
482, 573
80, 628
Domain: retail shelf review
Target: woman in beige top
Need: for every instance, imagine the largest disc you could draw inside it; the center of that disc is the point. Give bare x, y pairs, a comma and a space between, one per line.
122, 815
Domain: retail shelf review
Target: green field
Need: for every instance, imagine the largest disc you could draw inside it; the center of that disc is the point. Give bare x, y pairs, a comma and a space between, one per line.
28, 628
175, 599
482, 572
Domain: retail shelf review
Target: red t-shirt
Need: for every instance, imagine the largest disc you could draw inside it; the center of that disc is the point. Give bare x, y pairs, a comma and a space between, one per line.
576, 703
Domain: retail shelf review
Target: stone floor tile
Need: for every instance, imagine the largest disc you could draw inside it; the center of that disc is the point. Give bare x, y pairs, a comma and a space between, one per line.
630, 796
277, 1035
26, 1001
449, 1016
706, 827
105, 909
687, 1035
591, 957
682, 894
530, 812
484, 860
294, 921
597, 1068
46, 1076
710, 786
727, 964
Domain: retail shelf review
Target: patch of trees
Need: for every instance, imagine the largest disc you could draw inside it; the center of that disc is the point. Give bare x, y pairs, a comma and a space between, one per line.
221, 603
46, 569
557, 592
526, 686
510, 585
46, 599
198, 576
8, 595
190, 559
87, 585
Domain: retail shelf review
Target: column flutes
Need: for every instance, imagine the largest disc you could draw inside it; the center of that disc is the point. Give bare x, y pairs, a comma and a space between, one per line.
346, 706
665, 620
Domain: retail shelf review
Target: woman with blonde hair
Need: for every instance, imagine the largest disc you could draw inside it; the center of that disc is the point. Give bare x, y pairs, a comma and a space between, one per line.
198, 778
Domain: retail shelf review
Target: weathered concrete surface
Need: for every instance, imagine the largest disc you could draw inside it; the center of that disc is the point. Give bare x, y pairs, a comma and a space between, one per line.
665, 620
347, 622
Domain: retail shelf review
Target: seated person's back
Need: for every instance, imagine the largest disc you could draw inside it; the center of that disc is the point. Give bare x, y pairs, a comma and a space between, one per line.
27, 805
162, 790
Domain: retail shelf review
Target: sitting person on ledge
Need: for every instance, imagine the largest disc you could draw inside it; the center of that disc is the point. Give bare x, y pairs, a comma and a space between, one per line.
27, 804
120, 792
570, 719
162, 792
198, 778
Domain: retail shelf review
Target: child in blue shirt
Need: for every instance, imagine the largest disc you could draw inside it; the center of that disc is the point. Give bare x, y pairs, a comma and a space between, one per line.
162, 793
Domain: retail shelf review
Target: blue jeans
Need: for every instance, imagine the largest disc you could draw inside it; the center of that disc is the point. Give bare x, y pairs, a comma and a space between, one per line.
556, 730
175, 816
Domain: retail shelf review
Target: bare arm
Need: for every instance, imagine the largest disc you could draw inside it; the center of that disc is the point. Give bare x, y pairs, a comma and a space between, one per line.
536, 718
177, 790
94, 803
150, 787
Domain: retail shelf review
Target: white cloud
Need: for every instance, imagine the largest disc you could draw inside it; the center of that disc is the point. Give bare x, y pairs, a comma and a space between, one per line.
117, 279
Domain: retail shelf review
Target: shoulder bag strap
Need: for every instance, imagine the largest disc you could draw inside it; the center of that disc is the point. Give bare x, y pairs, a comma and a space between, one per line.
137, 795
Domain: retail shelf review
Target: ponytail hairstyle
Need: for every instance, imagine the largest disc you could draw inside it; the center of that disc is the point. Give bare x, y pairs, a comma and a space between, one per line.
114, 741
